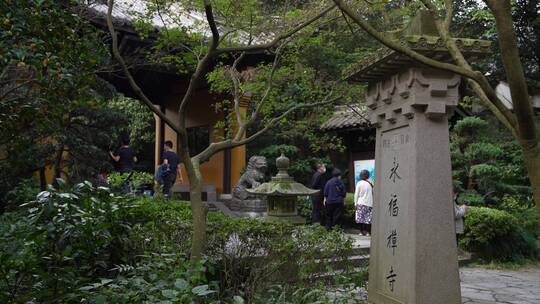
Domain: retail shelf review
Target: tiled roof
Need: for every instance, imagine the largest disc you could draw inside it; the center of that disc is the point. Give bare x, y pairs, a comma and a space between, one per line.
420, 35
387, 61
347, 117
125, 12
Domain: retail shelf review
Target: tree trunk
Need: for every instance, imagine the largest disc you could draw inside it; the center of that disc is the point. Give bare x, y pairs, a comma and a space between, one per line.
502, 11
531, 158
198, 209
58, 162
42, 179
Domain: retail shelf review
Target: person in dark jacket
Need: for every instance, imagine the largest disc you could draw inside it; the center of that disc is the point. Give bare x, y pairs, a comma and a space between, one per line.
318, 181
169, 168
334, 197
124, 157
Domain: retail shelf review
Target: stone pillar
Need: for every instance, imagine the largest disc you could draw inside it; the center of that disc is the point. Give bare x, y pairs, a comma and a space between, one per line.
413, 246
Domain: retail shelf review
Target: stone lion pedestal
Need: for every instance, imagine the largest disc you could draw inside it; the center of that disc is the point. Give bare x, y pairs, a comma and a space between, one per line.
242, 202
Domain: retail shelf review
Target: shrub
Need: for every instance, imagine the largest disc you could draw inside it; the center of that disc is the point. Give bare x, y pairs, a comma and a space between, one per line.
86, 244
19, 258
25, 191
137, 180
497, 235
317, 293
70, 236
304, 208
348, 216
251, 255
163, 278
522, 208
471, 198
160, 226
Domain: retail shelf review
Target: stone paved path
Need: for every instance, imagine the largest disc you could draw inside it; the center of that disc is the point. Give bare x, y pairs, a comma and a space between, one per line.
359, 241
483, 286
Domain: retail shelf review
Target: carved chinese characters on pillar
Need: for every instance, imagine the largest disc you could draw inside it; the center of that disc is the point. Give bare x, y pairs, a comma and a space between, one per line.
409, 108
395, 196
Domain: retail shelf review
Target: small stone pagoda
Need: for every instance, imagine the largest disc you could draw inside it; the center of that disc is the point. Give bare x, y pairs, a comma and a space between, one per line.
282, 194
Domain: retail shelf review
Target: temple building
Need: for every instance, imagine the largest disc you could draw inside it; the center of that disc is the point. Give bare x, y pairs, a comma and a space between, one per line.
352, 125
165, 88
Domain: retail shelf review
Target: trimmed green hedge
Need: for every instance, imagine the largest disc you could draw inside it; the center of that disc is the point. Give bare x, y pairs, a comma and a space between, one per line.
496, 235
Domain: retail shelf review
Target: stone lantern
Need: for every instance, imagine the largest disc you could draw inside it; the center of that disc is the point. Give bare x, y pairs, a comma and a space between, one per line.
282, 194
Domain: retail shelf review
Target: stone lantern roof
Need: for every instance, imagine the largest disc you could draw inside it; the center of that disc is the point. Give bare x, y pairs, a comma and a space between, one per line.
421, 36
282, 184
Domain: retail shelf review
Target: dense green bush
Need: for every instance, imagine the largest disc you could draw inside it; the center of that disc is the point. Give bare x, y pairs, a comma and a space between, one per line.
304, 208
349, 212
163, 278
316, 293
67, 237
24, 192
497, 235
137, 180
19, 258
471, 198
487, 163
248, 254
86, 244
523, 208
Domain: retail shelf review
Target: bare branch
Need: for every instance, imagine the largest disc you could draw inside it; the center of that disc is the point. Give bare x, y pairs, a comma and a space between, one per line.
483, 89
203, 64
127, 73
431, 7
212, 23
269, 85
264, 46
490, 105
402, 49
242, 125
14, 88
275, 120
237, 93
228, 144
463, 68
449, 14
226, 34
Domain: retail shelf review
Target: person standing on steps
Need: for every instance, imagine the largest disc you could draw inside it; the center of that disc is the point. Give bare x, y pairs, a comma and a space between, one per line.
334, 198
170, 161
318, 181
363, 202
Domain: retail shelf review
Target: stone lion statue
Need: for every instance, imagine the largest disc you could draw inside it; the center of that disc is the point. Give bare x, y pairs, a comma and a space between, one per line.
252, 178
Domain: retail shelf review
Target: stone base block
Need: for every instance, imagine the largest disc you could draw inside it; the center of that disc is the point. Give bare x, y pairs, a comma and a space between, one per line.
247, 208
294, 219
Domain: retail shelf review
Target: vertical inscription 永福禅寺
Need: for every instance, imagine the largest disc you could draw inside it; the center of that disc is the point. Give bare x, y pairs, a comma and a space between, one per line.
394, 183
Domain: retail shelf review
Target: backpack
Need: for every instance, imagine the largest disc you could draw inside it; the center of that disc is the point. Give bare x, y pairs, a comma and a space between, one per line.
159, 174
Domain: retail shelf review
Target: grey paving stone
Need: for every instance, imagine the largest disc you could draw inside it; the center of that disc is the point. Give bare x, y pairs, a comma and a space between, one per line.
482, 286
